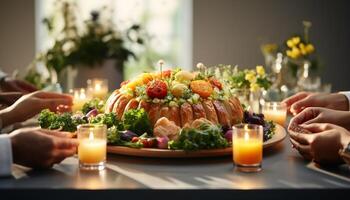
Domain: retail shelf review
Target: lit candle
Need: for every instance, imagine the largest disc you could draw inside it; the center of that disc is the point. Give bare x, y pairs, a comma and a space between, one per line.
276, 112
247, 146
98, 88
92, 146
79, 99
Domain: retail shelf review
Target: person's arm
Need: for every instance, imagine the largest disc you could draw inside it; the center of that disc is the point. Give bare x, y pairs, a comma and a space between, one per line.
10, 84
5, 155
8, 98
347, 94
31, 104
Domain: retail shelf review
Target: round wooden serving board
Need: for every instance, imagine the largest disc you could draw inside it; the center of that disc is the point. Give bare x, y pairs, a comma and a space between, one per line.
166, 153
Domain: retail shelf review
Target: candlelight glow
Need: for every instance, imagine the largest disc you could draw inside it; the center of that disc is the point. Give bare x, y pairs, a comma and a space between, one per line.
276, 112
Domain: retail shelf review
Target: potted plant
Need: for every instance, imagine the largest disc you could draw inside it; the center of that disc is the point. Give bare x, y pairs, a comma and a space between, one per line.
97, 44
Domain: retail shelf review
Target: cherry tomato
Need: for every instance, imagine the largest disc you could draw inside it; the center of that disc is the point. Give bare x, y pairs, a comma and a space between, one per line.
215, 83
149, 142
157, 89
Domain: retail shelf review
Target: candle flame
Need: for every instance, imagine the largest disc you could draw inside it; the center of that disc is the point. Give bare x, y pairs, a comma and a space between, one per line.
91, 136
246, 136
98, 87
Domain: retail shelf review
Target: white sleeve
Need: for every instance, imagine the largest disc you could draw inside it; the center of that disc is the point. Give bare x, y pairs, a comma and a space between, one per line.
5, 155
347, 94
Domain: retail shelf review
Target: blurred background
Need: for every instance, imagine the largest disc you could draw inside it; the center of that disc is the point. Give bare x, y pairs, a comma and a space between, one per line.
181, 32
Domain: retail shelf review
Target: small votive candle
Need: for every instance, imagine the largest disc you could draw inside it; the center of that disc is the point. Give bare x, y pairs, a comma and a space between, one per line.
92, 146
247, 146
98, 88
276, 112
80, 97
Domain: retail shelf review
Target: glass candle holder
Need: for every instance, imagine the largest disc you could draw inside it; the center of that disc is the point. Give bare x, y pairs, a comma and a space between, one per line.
92, 146
276, 112
98, 88
247, 146
80, 97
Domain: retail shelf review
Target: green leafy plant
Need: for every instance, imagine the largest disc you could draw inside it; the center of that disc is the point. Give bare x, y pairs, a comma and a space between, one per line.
89, 47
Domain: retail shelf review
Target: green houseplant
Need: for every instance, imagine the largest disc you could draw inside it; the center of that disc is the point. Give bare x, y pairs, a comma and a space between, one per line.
90, 47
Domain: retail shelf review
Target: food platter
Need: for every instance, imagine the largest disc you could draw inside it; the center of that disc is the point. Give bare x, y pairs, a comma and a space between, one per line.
279, 136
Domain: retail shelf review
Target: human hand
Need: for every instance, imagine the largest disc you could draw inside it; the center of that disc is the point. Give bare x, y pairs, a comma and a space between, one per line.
39, 148
8, 98
323, 144
312, 115
302, 100
10, 84
31, 104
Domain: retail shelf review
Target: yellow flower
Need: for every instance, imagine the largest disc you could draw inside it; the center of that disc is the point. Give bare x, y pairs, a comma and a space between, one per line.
254, 87
260, 70
250, 76
310, 48
290, 43
289, 53
295, 52
302, 49
296, 40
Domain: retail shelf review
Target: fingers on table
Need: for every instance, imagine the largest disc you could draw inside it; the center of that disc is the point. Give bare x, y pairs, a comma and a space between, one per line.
52, 95
317, 127
290, 100
52, 104
56, 133
301, 138
305, 116
295, 98
65, 143
304, 150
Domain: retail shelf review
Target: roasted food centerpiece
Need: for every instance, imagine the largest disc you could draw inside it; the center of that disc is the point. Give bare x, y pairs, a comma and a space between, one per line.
178, 95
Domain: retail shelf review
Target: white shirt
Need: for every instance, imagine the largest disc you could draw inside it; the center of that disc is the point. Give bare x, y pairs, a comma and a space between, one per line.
5, 155
347, 94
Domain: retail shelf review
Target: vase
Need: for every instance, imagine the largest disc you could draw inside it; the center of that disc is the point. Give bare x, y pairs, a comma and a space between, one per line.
65, 78
106, 70
308, 80
250, 99
284, 83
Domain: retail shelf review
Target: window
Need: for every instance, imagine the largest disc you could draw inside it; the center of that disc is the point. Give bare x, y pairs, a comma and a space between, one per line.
168, 22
